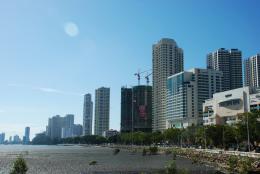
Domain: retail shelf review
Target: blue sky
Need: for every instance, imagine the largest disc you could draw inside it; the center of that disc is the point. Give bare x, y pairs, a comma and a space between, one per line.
52, 52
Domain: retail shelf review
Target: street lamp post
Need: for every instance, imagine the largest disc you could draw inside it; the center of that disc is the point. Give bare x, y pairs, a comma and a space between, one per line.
132, 135
247, 127
133, 102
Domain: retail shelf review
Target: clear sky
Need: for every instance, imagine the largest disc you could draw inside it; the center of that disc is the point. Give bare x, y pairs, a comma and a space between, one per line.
52, 52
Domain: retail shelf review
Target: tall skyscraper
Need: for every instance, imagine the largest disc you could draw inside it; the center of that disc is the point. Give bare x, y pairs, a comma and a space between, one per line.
230, 63
27, 135
136, 100
252, 71
126, 109
167, 60
87, 115
102, 110
186, 93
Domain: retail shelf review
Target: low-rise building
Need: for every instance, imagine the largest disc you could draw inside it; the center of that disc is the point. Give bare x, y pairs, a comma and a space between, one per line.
224, 107
110, 133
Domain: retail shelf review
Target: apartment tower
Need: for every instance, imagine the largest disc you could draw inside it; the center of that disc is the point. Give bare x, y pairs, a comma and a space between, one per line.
102, 109
230, 63
167, 61
87, 115
252, 71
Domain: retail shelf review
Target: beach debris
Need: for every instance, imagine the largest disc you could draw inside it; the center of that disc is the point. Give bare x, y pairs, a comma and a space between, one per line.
116, 151
91, 163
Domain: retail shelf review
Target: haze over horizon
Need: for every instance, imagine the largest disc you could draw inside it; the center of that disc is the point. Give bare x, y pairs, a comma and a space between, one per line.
54, 52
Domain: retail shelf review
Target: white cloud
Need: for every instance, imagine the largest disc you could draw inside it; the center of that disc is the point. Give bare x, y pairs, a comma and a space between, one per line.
51, 90
71, 29
44, 89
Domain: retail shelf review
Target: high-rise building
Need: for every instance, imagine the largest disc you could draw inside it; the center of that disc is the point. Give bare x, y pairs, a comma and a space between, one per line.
2, 138
55, 127
87, 115
167, 61
142, 108
77, 130
136, 108
27, 135
230, 63
17, 139
186, 92
67, 126
63, 127
252, 71
126, 109
102, 109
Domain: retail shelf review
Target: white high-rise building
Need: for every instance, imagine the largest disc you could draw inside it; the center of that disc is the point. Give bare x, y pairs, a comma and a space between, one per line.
186, 92
167, 60
102, 110
87, 115
252, 71
230, 63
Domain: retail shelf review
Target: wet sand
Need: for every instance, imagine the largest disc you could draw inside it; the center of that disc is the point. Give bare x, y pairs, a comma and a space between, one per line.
76, 159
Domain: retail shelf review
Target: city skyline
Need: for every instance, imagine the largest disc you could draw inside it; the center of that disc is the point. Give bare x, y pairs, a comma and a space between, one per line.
52, 53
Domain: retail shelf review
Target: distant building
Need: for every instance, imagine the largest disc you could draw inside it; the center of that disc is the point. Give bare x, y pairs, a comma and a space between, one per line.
167, 61
224, 107
60, 127
110, 133
230, 63
67, 126
2, 138
87, 115
77, 130
26, 139
10, 139
252, 71
17, 139
54, 127
126, 109
102, 110
66, 132
186, 92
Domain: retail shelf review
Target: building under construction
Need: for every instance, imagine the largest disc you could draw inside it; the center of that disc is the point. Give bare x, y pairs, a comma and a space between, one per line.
136, 109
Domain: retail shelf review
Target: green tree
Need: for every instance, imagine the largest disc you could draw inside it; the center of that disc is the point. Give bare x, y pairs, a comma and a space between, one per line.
253, 126
172, 135
42, 139
19, 166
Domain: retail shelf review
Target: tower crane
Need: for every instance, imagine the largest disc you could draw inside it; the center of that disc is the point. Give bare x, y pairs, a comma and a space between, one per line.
138, 74
147, 78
